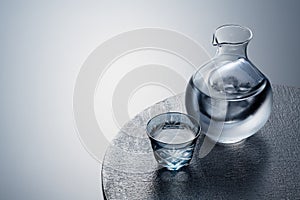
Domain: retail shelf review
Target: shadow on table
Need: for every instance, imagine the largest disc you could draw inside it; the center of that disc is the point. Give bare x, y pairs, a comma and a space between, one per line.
227, 172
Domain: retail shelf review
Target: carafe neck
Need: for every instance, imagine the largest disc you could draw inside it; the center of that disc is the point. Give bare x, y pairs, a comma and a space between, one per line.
232, 39
239, 50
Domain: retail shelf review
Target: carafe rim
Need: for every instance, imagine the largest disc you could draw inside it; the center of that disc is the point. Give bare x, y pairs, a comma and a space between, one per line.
238, 30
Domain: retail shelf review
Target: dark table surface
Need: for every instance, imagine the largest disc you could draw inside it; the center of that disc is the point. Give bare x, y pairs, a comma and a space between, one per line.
265, 166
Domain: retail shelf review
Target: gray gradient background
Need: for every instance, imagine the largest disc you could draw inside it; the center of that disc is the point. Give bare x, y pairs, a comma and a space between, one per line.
43, 45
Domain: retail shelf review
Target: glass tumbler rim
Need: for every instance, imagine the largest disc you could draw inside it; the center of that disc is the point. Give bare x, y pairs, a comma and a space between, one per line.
195, 121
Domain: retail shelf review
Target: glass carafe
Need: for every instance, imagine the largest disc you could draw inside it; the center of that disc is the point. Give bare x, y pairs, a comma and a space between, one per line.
229, 96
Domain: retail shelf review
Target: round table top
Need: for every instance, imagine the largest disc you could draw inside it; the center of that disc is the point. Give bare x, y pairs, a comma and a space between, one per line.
265, 166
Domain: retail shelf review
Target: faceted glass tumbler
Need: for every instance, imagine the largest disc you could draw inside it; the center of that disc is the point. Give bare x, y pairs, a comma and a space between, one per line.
173, 137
